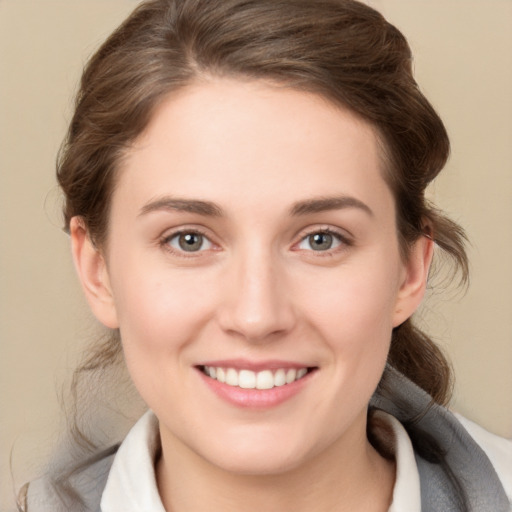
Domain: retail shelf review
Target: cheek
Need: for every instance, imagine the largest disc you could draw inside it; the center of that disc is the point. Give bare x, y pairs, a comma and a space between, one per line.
353, 312
355, 307
159, 316
158, 324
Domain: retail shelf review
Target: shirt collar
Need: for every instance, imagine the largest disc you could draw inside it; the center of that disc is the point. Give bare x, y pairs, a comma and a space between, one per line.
131, 484
132, 487
406, 493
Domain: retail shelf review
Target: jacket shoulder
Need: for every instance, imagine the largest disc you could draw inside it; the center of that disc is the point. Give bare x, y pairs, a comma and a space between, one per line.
497, 449
78, 489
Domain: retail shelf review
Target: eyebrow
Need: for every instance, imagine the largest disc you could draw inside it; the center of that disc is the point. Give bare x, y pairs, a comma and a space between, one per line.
323, 204
206, 208
209, 209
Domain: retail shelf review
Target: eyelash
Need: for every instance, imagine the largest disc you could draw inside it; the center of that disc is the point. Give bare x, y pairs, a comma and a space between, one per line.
165, 242
343, 240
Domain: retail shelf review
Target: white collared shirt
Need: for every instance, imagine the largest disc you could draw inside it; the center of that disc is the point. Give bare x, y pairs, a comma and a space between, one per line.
132, 487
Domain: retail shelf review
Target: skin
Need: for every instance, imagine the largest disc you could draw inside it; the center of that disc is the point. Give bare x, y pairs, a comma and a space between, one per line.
264, 159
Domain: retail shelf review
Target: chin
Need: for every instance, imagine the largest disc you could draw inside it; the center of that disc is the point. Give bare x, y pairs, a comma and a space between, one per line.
258, 455
260, 464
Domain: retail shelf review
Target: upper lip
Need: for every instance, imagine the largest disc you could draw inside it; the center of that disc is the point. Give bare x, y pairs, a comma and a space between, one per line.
255, 366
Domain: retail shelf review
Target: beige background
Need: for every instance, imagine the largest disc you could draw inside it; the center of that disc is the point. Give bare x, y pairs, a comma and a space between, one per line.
463, 61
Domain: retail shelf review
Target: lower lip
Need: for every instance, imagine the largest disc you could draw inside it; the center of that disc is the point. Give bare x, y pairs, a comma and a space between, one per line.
255, 398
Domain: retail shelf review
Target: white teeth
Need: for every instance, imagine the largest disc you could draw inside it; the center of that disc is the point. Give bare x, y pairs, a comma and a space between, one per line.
301, 373
232, 377
247, 379
280, 378
221, 374
265, 380
291, 375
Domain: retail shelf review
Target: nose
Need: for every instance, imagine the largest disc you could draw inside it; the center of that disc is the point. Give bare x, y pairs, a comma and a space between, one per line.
256, 306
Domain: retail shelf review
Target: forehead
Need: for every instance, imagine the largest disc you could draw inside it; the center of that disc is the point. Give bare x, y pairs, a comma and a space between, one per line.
262, 142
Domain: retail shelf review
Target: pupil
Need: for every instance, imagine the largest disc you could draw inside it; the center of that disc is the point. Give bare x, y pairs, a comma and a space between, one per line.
191, 242
321, 241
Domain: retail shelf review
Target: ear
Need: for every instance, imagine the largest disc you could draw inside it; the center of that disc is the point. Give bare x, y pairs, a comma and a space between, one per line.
92, 272
414, 282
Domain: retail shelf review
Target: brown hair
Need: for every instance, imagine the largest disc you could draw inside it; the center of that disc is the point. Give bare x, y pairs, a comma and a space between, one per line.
340, 49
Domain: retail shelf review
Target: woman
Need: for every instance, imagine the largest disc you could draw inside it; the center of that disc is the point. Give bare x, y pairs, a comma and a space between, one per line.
244, 185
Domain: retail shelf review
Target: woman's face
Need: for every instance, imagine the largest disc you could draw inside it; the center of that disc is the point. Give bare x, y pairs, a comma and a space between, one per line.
252, 233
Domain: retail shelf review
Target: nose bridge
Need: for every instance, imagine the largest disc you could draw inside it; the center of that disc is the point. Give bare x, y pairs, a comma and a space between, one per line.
257, 304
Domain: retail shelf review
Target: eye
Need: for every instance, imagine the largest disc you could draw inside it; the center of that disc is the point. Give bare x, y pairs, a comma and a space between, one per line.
189, 241
320, 241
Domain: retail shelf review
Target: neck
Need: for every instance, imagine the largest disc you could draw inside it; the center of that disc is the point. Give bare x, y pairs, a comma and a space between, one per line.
348, 476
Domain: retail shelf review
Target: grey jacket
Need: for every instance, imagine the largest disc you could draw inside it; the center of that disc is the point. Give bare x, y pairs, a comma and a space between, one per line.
455, 473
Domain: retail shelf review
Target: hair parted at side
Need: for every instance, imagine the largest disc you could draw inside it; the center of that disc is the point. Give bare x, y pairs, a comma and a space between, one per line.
342, 50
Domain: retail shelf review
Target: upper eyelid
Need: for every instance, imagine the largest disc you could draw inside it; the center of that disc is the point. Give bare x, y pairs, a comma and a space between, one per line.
342, 233
164, 243
172, 232
169, 234
345, 241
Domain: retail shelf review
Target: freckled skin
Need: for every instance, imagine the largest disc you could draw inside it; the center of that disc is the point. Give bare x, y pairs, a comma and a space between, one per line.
256, 288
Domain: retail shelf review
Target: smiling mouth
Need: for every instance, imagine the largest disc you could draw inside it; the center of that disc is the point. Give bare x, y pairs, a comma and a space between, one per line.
248, 379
